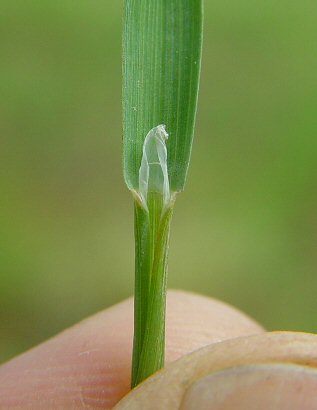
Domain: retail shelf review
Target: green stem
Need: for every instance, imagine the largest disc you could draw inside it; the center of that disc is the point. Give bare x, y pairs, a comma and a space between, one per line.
152, 227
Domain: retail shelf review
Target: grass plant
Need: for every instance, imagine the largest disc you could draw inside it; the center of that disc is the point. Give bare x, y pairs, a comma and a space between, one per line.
161, 66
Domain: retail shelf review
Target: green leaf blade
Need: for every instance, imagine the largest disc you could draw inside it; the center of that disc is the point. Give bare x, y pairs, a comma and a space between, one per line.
162, 53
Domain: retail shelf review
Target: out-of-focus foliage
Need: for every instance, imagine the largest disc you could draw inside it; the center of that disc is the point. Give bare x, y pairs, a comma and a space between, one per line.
245, 230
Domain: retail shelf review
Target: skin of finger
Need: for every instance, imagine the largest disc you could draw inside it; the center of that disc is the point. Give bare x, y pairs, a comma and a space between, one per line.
262, 386
88, 365
167, 388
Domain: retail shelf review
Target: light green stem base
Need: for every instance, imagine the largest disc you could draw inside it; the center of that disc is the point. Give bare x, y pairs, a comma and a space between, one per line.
152, 229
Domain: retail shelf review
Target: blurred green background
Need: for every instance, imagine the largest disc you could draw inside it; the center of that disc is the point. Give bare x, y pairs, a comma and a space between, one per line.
245, 229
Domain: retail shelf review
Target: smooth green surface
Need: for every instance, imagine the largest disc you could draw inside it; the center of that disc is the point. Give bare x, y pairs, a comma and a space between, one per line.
152, 229
245, 228
161, 67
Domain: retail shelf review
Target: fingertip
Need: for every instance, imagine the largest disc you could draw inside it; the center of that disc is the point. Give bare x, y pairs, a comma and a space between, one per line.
195, 320
88, 365
85, 366
270, 370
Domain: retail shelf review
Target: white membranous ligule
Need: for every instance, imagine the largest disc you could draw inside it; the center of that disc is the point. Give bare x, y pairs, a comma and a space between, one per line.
153, 173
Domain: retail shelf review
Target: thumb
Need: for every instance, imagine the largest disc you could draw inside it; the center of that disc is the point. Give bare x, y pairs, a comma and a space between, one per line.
273, 370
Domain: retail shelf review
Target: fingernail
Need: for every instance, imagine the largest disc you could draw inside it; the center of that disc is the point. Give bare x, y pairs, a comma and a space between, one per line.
261, 386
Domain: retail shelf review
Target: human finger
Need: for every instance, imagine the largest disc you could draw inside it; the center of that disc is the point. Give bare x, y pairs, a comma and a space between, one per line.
276, 371
88, 365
